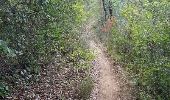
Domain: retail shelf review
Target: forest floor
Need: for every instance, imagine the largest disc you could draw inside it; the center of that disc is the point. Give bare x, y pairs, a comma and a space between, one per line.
110, 81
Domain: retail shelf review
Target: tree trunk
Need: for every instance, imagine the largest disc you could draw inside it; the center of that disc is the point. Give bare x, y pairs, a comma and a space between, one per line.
104, 8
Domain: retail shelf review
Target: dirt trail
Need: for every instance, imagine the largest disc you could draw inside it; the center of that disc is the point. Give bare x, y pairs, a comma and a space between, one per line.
108, 85
110, 82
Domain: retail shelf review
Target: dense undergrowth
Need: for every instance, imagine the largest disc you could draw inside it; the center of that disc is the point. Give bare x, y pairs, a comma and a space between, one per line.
42, 36
140, 39
36, 34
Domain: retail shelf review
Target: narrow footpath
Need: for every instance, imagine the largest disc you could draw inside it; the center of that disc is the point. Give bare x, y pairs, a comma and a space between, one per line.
110, 82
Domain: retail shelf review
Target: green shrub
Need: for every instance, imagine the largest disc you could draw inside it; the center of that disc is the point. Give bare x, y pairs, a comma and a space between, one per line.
141, 39
86, 88
33, 32
4, 90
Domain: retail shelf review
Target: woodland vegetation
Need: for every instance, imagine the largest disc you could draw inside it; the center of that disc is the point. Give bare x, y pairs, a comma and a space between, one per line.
38, 34
140, 40
41, 38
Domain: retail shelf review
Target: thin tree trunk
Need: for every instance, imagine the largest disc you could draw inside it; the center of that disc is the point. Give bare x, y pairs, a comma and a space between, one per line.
104, 8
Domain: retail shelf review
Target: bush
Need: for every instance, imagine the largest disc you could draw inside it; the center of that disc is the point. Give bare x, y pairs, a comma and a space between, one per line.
141, 38
3, 90
86, 88
33, 32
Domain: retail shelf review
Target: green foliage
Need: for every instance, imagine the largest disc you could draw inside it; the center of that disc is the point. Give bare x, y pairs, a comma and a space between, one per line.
86, 88
141, 38
33, 32
6, 50
4, 90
